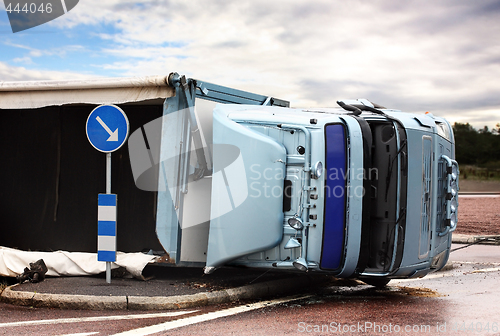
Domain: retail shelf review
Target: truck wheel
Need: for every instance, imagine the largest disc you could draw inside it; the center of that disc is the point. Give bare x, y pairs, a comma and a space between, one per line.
377, 282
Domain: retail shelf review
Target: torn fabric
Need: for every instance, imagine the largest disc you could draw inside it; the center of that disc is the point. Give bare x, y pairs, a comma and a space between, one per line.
63, 263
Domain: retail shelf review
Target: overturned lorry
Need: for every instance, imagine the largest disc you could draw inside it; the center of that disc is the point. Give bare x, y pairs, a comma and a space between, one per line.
355, 191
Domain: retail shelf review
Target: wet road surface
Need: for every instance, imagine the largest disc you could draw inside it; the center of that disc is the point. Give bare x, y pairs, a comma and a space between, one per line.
463, 300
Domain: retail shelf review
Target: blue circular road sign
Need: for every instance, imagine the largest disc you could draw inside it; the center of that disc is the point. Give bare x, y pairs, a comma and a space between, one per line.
107, 128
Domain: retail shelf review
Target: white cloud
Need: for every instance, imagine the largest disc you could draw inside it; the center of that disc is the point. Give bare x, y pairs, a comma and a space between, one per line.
36, 52
10, 73
26, 60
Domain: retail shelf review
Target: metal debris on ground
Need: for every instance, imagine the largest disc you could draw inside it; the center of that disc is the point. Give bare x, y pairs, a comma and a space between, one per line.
35, 274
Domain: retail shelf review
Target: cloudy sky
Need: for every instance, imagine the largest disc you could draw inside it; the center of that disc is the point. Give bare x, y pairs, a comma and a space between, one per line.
415, 55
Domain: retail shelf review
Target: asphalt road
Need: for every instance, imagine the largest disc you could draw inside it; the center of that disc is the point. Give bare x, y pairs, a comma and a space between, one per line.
461, 300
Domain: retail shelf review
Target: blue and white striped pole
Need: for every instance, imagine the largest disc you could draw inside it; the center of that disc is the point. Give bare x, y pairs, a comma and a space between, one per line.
106, 227
106, 223
106, 231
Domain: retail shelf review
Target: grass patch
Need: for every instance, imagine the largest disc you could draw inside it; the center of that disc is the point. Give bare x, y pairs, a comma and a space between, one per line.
476, 173
6, 282
3, 285
492, 165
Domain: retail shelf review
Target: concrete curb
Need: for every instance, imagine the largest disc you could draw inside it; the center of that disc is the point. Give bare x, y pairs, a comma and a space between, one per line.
64, 301
89, 302
469, 239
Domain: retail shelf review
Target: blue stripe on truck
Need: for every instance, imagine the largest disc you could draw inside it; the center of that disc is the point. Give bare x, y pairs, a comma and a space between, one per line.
335, 196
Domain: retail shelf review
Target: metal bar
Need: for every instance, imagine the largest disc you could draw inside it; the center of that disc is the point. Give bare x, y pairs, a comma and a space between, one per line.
102, 83
224, 94
108, 191
108, 173
195, 132
219, 97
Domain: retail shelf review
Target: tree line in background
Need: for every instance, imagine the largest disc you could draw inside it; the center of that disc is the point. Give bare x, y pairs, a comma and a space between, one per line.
479, 148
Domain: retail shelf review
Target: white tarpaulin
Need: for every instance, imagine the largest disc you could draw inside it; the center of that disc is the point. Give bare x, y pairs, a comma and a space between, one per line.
36, 94
63, 263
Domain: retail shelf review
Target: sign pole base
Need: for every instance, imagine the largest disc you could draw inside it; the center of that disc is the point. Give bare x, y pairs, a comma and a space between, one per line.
108, 272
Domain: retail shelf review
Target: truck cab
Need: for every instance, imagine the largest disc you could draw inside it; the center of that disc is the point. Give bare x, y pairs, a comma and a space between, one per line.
370, 195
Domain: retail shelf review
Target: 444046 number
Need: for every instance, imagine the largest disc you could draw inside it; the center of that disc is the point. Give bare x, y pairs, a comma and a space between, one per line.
30, 8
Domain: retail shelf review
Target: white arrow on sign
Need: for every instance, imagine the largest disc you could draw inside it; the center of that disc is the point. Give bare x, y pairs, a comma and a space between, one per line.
113, 136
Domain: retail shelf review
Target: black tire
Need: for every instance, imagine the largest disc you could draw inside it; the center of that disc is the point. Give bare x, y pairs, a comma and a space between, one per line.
376, 282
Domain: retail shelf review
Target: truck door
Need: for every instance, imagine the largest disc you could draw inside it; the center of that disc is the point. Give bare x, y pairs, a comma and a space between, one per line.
174, 159
247, 192
184, 182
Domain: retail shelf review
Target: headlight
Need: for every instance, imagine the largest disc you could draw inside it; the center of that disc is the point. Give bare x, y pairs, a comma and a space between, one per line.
451, 194
453, 220
300, 264
296, 223
454, 172
454, 190
317, 170
454, 205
